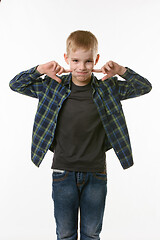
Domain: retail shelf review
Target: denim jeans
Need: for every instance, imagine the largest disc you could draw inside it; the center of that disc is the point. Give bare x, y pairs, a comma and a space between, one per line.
75, 192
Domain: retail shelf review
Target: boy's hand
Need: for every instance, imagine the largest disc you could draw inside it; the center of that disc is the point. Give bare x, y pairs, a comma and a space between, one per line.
51, 69
111, 68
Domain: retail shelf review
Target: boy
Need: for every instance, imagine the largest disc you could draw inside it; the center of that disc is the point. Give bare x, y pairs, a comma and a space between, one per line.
79, 118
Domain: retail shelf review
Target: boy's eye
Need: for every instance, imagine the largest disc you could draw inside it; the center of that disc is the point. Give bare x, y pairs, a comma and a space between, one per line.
76, 60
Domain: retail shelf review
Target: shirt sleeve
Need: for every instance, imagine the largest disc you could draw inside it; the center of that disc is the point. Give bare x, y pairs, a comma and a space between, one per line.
134, 86
28, 83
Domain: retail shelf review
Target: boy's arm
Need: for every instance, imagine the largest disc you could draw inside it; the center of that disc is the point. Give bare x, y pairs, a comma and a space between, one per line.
134, 86
28, 83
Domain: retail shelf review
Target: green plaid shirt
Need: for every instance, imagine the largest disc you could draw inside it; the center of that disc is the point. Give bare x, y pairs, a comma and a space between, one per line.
107, 96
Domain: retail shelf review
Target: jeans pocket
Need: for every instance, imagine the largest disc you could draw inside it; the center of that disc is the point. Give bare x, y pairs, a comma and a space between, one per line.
100, 176
59, 175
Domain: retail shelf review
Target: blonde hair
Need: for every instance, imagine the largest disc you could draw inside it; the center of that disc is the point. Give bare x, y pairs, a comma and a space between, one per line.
81, 39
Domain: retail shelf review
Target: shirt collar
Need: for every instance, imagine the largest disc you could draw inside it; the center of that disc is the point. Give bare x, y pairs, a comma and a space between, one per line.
94, 81
67, 80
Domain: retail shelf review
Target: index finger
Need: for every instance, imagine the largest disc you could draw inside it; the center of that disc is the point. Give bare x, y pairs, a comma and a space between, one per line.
67, 70
97, 70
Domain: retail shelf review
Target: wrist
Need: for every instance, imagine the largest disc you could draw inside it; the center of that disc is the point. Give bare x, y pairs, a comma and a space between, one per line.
122, 70
40, 69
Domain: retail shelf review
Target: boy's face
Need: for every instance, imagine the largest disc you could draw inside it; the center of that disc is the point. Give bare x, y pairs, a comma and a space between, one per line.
81, 63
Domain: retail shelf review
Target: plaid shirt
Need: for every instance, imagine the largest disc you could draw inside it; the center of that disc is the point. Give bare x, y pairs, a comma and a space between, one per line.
106, 95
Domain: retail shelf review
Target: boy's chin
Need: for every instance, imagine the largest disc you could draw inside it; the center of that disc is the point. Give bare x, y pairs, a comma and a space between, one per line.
83, 78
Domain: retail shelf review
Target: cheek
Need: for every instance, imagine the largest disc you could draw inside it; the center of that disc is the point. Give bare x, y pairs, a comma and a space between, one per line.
90, 66
72, 66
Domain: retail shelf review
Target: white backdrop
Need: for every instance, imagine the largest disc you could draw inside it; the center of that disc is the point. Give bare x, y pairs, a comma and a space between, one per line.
34, 32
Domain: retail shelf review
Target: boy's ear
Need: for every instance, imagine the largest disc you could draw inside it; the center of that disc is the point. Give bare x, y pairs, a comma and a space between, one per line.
97, 59
66, 58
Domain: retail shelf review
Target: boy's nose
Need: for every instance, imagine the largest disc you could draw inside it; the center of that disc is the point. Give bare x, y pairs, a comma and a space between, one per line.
82, 66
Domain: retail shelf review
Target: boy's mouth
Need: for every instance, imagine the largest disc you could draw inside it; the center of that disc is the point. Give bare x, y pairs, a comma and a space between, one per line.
82, 73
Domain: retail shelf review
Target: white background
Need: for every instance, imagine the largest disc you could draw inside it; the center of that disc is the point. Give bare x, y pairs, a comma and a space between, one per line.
34, 32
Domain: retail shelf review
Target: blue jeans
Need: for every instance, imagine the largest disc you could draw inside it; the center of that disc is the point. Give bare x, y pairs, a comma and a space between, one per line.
79, 191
